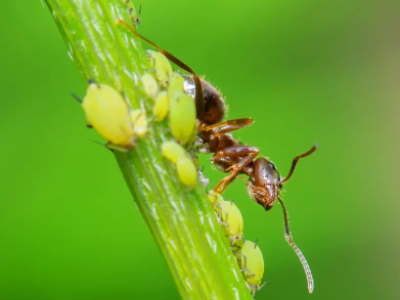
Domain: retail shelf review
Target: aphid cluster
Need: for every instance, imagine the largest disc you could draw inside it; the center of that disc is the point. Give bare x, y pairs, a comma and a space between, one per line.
200, 121
248, 254
229, 155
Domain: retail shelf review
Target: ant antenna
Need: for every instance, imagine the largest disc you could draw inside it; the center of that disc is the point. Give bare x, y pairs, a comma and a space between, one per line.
199, 97
296, 249
294, 163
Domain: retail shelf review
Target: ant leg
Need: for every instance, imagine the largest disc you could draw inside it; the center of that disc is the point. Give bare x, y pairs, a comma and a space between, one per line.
295, 161
199, 97
227, 126
249, 153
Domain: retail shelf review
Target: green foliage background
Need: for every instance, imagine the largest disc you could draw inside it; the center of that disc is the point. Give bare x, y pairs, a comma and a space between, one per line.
306, 71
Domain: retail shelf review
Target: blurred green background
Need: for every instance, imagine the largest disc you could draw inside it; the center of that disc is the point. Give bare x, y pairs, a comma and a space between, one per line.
306, 71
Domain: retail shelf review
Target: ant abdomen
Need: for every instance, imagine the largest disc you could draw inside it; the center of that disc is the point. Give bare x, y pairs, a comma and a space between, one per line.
214, 104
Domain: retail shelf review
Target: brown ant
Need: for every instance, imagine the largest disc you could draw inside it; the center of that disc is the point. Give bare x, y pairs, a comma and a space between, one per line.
265, 184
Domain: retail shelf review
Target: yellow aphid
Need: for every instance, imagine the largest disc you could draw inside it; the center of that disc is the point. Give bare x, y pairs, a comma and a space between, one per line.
161, 106
187, 172
232, 219
182, 117
108, 112
172, 151
176, 84
150, 85
251, 262
216, 200
140, 124
162, 100
161, 66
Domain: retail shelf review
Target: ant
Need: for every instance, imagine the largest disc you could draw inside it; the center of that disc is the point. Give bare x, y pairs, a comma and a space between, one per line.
265, 184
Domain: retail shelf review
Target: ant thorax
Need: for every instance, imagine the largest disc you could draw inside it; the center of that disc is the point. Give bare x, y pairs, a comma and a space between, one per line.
214, 104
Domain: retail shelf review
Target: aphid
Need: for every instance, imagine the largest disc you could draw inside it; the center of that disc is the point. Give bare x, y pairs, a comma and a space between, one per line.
135, 18
107, 111
172, 151
182, 117
140, 123
251, 263
161, 66
176, 84
161, 106
216, 200
187, 171
232, 220
186, 168
162, 100
150, 85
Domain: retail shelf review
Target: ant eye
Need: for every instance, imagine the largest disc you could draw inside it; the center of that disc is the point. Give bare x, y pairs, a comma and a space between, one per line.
272, 166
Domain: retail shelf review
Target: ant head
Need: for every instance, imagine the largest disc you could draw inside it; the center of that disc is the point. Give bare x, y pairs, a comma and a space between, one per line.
265, 183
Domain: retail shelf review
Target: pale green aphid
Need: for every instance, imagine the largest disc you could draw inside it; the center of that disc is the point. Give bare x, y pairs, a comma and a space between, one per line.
172, 151
216, 200
107, 111
251, 262
187, 171
140, 123
161, 106
162, 100
161, 66
182, 117
186, 168
135, 18
150, 85
176, 83
232, 220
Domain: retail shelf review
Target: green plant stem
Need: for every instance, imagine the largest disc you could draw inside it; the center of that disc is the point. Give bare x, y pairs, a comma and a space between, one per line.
182, 221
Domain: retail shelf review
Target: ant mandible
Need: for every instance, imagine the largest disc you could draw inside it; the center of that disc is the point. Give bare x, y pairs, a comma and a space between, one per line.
265, 184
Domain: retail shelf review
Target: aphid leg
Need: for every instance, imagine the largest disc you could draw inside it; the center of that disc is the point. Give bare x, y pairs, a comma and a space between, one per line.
224, 223
113, 147
261, 285
248, 153
80, 102
296, 249
244, 268
226, 126
199, 97
76, 98
295, 161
